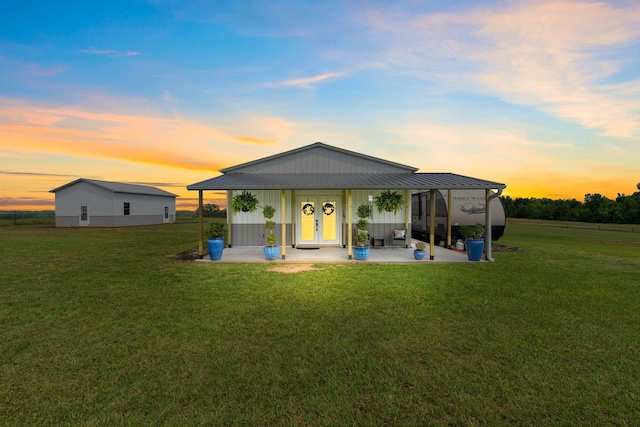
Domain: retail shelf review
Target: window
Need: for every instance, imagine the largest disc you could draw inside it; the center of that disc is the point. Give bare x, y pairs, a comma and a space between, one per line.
83, 213
127, 208
166, 212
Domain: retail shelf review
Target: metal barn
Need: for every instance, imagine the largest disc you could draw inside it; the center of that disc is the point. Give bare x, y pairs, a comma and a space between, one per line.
89, 202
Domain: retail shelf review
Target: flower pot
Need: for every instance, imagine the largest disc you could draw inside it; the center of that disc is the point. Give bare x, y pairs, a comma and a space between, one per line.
361, 252
419, 255
474, 249
271, 252
215, 248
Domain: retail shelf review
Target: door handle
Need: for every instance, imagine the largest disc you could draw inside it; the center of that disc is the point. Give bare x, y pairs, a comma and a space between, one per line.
316, 225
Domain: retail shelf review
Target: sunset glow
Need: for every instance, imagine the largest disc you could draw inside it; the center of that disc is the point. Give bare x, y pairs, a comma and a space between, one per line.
542, 96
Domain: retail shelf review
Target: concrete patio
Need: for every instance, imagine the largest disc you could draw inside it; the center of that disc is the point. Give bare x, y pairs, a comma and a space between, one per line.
254, 254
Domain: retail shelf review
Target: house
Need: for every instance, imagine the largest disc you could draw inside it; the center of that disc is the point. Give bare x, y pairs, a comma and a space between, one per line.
317, 189
89, 202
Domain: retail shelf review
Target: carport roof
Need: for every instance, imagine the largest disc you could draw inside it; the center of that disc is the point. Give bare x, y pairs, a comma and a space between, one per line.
318, 181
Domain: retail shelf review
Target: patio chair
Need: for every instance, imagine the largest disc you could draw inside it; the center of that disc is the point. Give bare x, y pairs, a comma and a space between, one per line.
399, 238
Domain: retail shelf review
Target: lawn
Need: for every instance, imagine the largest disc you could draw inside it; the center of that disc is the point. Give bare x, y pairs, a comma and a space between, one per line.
104, 327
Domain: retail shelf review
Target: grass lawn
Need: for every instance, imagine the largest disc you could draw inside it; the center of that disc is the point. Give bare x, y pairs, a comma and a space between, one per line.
102, 327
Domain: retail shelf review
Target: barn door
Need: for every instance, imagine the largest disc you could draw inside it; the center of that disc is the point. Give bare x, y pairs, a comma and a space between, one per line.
84, 216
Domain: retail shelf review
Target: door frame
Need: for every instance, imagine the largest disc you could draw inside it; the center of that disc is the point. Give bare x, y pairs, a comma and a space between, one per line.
318, 201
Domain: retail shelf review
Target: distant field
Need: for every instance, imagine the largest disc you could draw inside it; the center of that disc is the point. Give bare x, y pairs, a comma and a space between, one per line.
106, 327
635, 228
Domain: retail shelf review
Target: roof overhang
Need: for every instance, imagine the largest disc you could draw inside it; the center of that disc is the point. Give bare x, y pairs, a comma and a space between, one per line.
319, 181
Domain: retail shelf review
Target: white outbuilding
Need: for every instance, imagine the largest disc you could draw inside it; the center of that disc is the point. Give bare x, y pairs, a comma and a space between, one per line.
89, 202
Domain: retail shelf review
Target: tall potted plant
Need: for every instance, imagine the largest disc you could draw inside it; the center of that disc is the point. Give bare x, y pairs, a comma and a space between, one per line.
215, 243
271, 251
362, 249
474, 242
419, 253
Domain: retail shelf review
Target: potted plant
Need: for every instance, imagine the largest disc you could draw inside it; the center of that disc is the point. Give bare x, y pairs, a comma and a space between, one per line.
474, 242
419, 253
215, 243
244, 202
362, 249
389, 201
271, 251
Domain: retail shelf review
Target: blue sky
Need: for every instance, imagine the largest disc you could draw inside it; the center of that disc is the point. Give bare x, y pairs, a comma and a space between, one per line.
543, 96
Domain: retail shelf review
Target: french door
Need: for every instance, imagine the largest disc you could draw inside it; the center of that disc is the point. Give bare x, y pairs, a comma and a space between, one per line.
318, 221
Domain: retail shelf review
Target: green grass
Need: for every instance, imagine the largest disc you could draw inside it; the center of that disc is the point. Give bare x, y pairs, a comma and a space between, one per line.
102, 327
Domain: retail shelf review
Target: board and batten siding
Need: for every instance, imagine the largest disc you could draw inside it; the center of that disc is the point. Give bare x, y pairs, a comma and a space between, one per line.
320, 160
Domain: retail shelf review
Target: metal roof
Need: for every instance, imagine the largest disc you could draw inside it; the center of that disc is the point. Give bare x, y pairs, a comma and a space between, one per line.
119, 187
314, 149
318, 181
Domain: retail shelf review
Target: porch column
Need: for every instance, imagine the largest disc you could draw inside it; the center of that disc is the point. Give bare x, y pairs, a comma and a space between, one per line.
229, 217
200, 225
449, 210
283, 215
407, 217
294, 211
432, 224
487, 226
487, 221
349, 225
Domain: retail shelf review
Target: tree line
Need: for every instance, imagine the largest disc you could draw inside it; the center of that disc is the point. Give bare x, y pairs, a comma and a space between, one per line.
595, 208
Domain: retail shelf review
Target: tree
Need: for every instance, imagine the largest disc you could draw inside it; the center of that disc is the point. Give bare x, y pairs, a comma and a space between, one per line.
210, 210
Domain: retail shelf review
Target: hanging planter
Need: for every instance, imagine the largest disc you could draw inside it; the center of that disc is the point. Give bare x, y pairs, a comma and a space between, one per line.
244, 202
389, 201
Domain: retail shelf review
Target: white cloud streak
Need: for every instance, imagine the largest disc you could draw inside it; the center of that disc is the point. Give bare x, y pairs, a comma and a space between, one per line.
111, 53
306, 82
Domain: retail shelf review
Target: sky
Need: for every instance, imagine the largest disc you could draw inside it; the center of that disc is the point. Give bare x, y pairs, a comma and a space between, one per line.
543, 96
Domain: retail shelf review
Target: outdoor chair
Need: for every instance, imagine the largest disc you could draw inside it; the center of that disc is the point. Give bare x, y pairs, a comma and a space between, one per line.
399, 238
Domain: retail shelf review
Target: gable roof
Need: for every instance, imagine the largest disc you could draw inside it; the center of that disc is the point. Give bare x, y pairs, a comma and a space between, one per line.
119, 187
319, 157
319, 166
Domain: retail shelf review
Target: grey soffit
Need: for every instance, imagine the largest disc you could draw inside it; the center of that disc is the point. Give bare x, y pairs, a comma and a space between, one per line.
293, 181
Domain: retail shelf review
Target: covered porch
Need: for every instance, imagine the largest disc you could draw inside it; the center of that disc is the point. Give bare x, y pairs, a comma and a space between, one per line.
318, 189
254, 254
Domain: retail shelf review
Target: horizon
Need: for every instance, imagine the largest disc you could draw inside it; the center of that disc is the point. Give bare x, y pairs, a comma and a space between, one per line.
542, 96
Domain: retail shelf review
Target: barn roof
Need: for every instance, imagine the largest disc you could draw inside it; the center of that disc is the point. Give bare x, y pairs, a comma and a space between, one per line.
119, 187
310, 181
320, 166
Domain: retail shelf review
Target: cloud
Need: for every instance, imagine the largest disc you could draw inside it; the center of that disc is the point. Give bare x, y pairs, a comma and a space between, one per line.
306, 82
167, 141
35, 174
555, 56
111, 53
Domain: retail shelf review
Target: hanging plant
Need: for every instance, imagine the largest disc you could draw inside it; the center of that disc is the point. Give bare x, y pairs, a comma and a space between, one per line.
389, 201
245, 202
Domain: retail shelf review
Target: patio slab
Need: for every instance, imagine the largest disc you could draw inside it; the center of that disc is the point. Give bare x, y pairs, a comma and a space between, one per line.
254, 254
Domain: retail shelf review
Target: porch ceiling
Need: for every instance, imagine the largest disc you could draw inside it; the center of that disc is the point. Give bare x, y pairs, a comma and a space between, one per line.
319, 181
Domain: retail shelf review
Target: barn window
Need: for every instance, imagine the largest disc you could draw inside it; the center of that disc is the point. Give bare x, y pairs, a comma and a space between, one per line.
166, 212
127, 208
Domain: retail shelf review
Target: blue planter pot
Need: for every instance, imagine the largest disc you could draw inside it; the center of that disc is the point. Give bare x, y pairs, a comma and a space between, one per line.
419, 255
271, 252
215, 248
361, 253
474, 249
